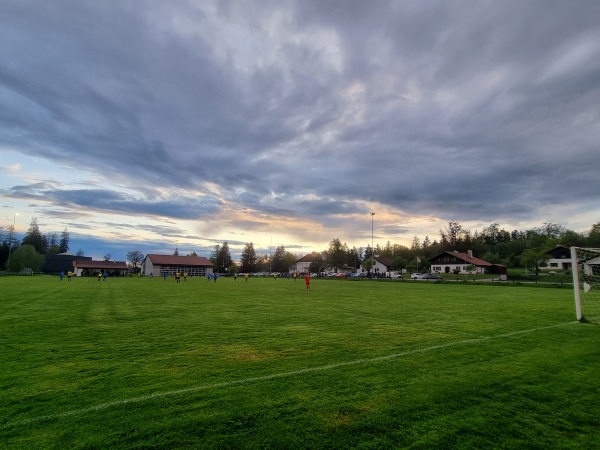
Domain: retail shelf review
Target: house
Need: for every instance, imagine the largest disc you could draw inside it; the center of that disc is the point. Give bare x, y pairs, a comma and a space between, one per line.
82, 268
560, 258
381, 265
194, 266
452, 262
303, 264
61, 262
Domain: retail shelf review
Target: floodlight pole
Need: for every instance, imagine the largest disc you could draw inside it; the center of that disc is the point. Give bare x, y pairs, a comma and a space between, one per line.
10, 241
372, 247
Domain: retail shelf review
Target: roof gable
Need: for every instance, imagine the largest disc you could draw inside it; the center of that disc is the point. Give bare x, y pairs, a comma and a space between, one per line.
385, 260
463, 257
309, 258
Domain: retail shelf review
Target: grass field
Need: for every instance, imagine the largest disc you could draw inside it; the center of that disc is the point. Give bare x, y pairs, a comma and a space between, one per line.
147, 363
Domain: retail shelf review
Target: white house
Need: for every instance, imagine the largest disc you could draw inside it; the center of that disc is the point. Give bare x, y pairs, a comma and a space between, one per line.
381, 265
303, 264
158, 265
560, 258
452, 262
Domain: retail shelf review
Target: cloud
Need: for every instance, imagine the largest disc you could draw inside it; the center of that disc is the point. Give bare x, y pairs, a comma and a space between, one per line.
215, 112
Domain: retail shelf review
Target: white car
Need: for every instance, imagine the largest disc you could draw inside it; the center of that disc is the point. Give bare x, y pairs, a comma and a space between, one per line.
417, 276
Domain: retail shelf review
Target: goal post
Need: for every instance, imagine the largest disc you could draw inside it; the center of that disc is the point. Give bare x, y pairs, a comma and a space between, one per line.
585, 263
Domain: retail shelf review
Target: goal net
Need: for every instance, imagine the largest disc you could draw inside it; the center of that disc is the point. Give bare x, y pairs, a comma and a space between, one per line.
586, 282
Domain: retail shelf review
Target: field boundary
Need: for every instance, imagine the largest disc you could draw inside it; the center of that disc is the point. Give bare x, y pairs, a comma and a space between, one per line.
207, 387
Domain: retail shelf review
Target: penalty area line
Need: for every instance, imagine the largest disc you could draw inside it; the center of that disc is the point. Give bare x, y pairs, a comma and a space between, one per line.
212, 386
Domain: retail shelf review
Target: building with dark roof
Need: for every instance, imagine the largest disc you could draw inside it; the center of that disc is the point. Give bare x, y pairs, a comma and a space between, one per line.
194, 266
90, 268
62, 262
559, 258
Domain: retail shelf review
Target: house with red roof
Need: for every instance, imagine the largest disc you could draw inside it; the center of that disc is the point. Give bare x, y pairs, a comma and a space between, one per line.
452, 262
194, 266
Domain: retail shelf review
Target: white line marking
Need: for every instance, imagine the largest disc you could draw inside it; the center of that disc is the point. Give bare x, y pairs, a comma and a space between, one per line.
107, 405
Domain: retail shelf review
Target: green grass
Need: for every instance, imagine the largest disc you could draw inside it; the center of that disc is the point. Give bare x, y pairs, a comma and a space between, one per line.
147, 363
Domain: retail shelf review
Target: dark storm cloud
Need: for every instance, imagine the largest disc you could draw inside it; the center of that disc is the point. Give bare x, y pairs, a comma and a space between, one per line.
458, 110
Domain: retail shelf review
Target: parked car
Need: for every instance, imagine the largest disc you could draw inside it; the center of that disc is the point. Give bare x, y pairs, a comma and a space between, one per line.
432, 276
417, 276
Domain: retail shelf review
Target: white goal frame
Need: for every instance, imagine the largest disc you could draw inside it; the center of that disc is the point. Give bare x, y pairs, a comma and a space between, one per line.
582, 268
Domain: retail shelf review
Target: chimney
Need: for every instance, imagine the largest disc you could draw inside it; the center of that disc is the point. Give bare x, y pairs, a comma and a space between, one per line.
470, 253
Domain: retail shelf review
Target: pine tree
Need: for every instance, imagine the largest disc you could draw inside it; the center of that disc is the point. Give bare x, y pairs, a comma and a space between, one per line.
35, 238
248, 259
64, 242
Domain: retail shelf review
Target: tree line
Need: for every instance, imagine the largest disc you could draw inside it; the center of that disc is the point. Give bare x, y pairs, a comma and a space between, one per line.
493, 244
32, 249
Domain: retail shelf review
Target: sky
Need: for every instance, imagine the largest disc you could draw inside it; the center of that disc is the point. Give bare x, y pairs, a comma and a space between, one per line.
151, 125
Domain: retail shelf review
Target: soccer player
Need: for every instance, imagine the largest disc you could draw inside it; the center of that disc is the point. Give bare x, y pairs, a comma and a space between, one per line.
177, 277
307, 281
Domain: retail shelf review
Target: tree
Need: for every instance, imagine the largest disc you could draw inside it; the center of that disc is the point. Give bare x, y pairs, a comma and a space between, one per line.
552, 230
452, 235
64, 242
34, 237
317, 265
415, 246
248, 259
290, 260
535, 258
107, 257
336, 255
53, 247
353, 258
80, 252
593, 239
570, 238
399, 263
426, 243
470, 268
135, 258
221, 258
10, 243
279, 262
176, 252
26, 257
